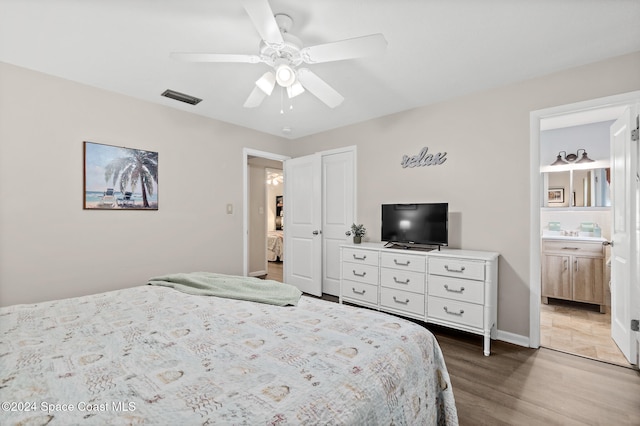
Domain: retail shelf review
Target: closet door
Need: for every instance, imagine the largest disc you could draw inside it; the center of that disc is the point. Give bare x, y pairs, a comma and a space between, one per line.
338, 212
319, 209
302, 224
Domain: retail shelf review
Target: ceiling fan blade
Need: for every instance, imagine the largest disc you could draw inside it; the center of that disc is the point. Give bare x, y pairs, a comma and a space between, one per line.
345, 49
319, 88
262, 17
215, 57
255, 98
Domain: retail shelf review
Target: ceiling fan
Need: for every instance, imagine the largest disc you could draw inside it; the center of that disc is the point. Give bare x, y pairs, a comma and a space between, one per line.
285, 53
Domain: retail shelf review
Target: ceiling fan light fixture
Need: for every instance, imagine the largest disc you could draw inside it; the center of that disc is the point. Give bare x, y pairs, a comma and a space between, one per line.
285, 75
266, 83
295, 89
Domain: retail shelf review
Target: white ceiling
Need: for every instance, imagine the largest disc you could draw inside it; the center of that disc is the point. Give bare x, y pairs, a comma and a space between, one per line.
437, 50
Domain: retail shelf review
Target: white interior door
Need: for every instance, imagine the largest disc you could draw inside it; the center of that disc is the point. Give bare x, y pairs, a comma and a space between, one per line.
624, 157
338, 212
302, 220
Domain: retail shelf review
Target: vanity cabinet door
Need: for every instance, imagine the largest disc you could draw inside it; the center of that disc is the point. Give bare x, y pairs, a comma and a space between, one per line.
587, 279
556, 279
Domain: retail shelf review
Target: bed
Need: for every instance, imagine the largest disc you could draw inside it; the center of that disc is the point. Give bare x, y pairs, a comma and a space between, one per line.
275, 246
155, 355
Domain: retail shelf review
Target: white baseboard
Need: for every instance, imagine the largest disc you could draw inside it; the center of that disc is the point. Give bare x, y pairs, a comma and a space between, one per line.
516, 339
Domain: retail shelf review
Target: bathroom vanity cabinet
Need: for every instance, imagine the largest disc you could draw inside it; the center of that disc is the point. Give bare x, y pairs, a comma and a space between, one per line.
573, 269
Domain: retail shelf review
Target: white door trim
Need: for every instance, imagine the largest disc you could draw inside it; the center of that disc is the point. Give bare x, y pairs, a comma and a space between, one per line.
535, 117
246, 153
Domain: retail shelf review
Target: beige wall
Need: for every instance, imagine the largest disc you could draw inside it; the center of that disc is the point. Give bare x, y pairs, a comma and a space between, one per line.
486, 176
51, 248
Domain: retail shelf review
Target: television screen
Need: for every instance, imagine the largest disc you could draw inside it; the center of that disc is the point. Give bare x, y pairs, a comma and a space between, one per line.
425, 223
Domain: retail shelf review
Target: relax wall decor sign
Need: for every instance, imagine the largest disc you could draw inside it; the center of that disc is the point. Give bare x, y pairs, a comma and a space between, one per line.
424, 159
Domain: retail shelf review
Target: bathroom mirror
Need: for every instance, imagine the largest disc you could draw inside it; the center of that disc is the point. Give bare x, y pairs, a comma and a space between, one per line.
591, 188
557, 189
577, 188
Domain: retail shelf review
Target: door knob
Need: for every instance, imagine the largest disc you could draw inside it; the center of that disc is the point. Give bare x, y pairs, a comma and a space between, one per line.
317, 232
607, 243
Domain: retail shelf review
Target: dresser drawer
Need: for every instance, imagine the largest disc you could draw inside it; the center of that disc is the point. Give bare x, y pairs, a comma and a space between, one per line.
402, 280
463, 313
403, 261
360, 273
456, 289
402, 300
458, 268
365, 257
364, 292
573, 247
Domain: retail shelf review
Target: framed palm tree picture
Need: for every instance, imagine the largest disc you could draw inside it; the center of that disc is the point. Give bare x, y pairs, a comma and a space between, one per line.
118, 178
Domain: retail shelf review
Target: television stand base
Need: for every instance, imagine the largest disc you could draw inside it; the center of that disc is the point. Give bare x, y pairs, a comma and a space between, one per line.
409, 246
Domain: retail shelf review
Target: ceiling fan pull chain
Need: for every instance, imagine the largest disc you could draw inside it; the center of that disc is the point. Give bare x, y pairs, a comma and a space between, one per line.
281, 100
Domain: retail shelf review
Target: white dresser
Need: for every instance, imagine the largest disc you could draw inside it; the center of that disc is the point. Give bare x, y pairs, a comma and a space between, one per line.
453, 288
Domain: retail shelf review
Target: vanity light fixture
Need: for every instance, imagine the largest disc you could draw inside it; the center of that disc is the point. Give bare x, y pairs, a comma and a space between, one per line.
559, 161
571, 158
584, 158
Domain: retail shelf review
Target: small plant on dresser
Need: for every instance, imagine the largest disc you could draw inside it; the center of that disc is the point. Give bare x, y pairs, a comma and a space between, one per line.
358, 232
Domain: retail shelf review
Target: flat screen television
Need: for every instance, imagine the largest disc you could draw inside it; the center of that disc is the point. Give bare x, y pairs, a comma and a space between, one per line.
422, 224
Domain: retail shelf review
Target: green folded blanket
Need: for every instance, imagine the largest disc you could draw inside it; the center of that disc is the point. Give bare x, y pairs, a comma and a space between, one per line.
231, 286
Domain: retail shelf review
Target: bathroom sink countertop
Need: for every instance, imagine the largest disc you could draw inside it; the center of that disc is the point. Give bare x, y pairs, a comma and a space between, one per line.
573, 238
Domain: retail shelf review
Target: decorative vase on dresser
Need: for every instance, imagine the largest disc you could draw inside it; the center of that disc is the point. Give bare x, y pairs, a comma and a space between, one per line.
450, 287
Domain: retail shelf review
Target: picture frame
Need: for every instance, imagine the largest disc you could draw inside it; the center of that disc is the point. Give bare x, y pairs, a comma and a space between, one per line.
119, 178
555, 195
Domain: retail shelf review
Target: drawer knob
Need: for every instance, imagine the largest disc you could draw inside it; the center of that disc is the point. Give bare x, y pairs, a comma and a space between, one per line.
400, 301
401, 263
446, 287
401, 282
359, 258
461, 270
454, 313
359, 275
358, 292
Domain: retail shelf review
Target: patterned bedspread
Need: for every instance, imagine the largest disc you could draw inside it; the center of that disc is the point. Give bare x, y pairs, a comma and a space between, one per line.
153, 355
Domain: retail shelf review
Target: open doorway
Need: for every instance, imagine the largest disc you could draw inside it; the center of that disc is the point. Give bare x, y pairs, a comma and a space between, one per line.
575, 314
566, 211
263, 215
274, 179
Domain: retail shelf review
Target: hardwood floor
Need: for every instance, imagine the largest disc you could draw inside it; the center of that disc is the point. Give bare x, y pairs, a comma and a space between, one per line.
580, 329
275, 271
522, 386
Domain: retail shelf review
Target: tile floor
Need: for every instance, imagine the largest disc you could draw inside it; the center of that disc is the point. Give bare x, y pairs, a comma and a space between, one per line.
579, 329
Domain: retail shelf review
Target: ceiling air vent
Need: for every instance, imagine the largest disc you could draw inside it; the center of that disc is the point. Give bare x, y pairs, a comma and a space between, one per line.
181, 97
